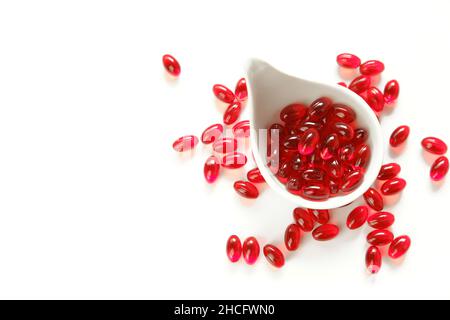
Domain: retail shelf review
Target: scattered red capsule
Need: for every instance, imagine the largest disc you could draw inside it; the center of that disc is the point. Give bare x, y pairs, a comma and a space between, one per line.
234, 160
322, 216
391, 91
439, 169
352, 181
389, 171
293, 113
393, 186
246, 189
380, 237
292, 237
234, 248
374, 199
242, 129
381, 220
360, 84
308, 142
375, 99
348, 60
371, 68
305, 219
211, 169
223, 93
274, 255
255, 176
232, 113
241, 90
171, 64
250, 250
373, 260
225, 145
212, 133
358, 217
399, 247
434, 145
185, 143
399, 136
325, 232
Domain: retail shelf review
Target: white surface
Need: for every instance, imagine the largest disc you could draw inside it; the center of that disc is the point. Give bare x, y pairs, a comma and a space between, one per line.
94, 203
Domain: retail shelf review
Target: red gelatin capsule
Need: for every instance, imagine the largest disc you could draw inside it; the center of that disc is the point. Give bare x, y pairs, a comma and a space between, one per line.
212, 133
391, 91
232, 113
341, 113
255, 176
373, 260
292, 237
399, 247
246, 189
357, 217
225, 145
434, 145
319, 108
322, 216
439, 169
346, 153
389, 171
211, 169
242, 129
305, 219
348, 60
291, 143
325, 232
374, 199
315, 191
361, 136
241, 90
234, 160
185, 143
375, 99
360, 84
294, 185
344, 131
362, 156
352, 181
234, 248
171, 64
329, 147
393, 186
399, 136
371, 68
334, 169
293, 113
250, 250
381, 220
380, 237
308, 142
274, 255
223, 93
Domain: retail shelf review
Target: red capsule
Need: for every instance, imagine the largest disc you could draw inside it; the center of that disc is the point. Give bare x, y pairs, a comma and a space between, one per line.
315, 191
344, 131
389, 171
294, 185
380, 237
223, 93
242, 129
325, 232
393, 186
439, 169
361, 136
375, 99
434, 145
399, 136
246, 189
313, 174
250, 250
234, 160
330, 147
319, 108
346, 153
308, 142
211, 169
352, 180
371, 68
334, 187
292, 237
293, 113
255, 176
305, 219
373, 260
360, 84
232, 113
212, 133
399, 247
274, 255
185, 143
381, 220
391, 91
225, 145
234, 248
334, 169
171, 64
362, 156
357, 217
374, 199
291, 143
341, 113
348, 60
241, 90
322, 216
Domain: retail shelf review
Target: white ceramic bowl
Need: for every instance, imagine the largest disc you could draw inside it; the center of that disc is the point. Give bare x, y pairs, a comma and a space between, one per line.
270, 90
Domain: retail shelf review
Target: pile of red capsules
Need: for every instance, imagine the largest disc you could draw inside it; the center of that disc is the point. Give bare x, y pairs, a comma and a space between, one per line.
312, 141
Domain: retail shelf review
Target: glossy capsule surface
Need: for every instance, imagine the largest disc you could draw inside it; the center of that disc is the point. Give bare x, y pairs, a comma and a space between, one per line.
434, 145
373, 259
232, 113
348, 60
371, 68
274, 255
250, 250
292, 237
391, 92
241, 90
234, 160
399, 136
325, 232
360, 84
381, 220
389, 171
322, 216
380, 237
439, 169
234, 248
185, 143
374, 199
246, 189
375, 99
242, 129
308, 142
393, 186
211, 169
255, 176
223, 93
305, 219
357, 217
212, 133
171, 65
399, 247
225, 145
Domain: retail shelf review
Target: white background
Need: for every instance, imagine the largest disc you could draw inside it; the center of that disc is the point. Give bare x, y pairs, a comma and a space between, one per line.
94, 203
